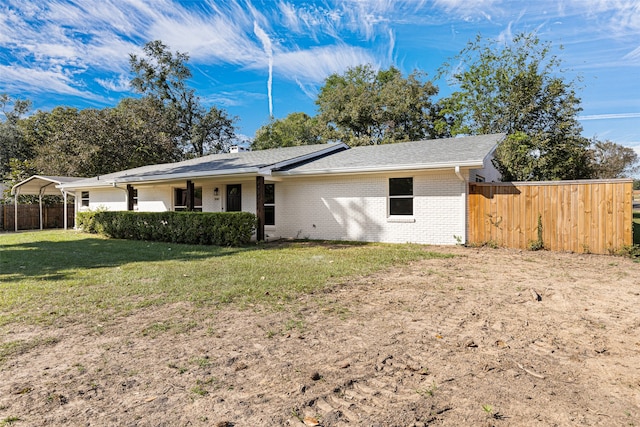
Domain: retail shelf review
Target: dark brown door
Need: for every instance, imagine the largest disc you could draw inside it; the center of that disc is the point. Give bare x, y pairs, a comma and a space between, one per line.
234, 198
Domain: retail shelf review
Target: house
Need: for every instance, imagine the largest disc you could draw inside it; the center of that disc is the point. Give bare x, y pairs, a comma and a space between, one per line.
404, 192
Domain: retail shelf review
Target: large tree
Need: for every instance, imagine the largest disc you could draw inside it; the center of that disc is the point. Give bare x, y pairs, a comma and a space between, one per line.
519, 88
364, 106
162, 76
12, 144
611, 160
90, 142
295, 129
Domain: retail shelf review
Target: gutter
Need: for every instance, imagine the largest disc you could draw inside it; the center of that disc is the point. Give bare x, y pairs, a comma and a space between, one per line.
378, 169
154, 179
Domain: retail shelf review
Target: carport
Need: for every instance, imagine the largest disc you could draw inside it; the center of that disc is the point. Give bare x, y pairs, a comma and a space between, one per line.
41, 186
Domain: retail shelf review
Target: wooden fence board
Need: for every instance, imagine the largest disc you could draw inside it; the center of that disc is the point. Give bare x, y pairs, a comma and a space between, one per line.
29, 217
578, 216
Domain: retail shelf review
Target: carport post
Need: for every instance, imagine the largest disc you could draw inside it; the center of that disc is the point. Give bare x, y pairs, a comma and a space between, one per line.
64, 209
15, 211
40, 201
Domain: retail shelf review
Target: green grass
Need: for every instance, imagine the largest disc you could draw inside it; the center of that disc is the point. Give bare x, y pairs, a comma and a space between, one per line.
55, 276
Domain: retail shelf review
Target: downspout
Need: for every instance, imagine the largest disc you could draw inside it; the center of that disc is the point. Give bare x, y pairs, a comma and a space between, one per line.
464, 201
126, 193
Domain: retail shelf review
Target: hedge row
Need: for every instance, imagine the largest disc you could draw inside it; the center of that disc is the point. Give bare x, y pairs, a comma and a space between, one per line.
201, 228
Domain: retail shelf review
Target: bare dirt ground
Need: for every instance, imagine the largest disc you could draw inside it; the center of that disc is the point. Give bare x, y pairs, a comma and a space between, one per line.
456, 342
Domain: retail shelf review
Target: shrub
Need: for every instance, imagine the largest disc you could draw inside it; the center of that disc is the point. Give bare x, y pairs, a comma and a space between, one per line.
203, 228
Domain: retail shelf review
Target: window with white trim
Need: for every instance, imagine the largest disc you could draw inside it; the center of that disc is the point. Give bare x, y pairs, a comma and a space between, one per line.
84, 199
269, 204
400, 196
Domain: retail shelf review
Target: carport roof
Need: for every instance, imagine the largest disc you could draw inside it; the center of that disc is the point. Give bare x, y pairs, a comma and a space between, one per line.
40, 183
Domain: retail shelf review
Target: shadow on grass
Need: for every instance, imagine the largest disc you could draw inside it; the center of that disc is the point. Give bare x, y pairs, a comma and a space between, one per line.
58, 259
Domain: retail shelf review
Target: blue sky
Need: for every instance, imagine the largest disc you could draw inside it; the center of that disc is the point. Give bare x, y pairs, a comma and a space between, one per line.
253, 57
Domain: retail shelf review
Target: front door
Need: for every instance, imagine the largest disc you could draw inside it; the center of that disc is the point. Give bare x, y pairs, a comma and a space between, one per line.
234, 198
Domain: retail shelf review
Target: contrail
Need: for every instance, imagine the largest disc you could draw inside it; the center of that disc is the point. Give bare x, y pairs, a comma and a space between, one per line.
266, 44
610, 116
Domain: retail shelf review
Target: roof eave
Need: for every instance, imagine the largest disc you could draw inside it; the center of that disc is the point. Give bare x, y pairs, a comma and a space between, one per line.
373, 169
153, 179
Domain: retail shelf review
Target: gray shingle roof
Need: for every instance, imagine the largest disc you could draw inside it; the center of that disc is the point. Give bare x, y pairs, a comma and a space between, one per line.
215, 164
314, 159
467, 151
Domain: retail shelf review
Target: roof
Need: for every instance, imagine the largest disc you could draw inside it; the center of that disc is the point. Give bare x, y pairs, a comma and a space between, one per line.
245, 162
469, 151
465, 152
46, 184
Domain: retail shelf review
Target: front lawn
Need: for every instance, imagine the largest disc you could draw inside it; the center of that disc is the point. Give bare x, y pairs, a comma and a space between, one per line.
70, 276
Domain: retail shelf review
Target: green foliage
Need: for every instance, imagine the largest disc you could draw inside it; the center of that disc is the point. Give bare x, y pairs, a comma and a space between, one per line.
538, 244
636, 184
19, 170
365, 107
90, 142
611, 160
295, 129
12, 144
518, 88
162, 76
201, 228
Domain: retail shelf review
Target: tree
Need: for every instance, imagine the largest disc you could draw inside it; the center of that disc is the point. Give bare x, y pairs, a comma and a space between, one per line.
62, 145
611, 160
18, 171
519, 89
295, 129
90, 142
12, 145
162, 76
364, 107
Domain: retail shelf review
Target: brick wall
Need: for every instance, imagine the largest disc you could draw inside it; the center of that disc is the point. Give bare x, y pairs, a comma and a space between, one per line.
356, 208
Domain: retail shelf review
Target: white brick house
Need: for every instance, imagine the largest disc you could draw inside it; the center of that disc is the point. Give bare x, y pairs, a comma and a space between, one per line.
403, 192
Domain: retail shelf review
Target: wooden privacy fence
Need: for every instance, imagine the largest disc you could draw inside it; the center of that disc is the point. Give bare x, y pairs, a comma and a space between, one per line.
29, 216
593, 216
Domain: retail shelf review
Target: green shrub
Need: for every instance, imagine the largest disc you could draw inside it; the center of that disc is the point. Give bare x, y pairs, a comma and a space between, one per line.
202, 228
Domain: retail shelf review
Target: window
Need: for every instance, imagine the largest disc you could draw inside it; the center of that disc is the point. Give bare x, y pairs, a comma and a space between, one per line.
180, 199
400, 196
84, 199
134, 194
269, 204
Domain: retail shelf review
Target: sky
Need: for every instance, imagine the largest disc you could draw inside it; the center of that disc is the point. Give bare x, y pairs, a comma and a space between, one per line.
258, 59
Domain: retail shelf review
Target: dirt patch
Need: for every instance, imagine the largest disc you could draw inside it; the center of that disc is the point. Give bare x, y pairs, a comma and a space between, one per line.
490, 337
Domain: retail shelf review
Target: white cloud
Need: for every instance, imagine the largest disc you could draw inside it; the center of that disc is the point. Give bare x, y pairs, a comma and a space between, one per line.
119, 84
633, 55
316, 64
469, 10
36, 80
